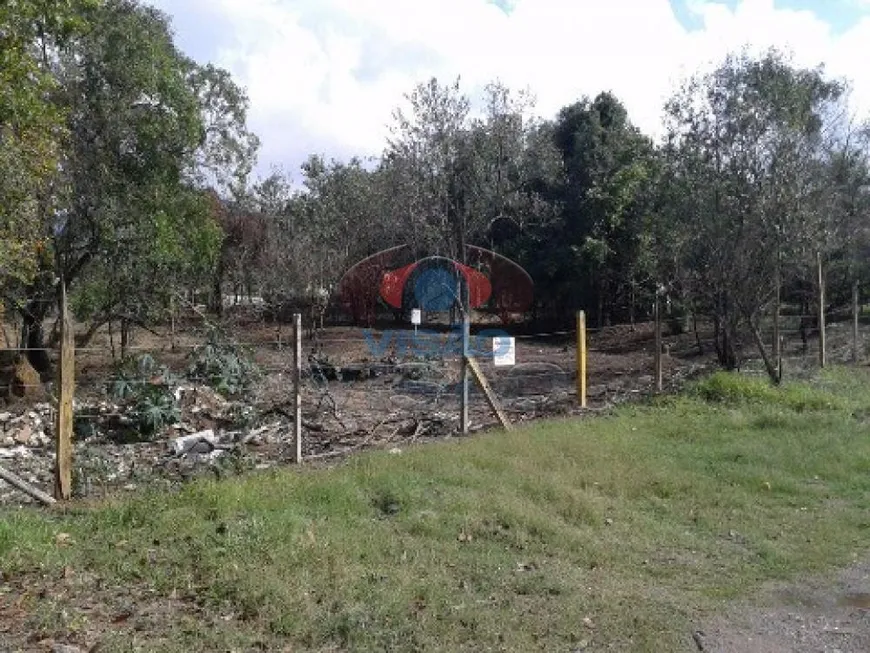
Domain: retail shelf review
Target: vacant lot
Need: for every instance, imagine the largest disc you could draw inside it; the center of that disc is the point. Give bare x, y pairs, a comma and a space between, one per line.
625, 533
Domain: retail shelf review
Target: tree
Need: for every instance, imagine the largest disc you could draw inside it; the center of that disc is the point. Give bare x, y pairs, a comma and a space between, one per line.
31, 126
596, 245
127, 205
745, 189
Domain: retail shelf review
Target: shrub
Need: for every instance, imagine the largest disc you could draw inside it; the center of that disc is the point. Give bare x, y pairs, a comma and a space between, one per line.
226, 367
732, 387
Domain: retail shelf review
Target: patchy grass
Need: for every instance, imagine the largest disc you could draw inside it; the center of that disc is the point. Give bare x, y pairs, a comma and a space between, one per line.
620, 532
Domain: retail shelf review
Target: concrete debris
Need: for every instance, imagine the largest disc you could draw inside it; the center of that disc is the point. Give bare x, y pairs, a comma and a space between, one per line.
202, 442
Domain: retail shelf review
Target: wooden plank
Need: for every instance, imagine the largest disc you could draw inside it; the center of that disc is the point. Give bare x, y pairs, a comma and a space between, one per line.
66, 391
487, 392
20, 484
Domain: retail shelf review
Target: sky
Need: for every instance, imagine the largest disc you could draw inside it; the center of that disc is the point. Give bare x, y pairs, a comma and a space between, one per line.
324, 76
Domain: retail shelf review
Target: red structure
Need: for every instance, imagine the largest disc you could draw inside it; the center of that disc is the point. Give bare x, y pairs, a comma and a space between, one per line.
492, 281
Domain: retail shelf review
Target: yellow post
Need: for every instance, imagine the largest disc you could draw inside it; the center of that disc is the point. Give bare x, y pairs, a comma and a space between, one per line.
581, 358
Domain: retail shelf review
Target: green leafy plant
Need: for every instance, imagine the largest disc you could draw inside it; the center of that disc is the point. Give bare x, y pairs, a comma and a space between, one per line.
148, 389
226, 367
156, 409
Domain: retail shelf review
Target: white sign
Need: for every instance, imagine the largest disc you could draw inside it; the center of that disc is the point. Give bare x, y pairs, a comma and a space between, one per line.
504, 351
416, 316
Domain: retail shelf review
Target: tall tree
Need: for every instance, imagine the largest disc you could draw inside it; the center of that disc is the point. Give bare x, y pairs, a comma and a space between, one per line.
31, 125
127, 205
745, 186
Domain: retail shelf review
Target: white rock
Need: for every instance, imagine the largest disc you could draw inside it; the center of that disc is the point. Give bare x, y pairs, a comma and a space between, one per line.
15, 452
5, 417
182, 444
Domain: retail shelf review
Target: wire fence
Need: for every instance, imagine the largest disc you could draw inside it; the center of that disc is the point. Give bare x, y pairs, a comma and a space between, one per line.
364, 381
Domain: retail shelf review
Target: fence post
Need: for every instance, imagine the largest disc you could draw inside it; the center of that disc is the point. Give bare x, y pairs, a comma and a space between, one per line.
856, 356
581, 358
777, 317
822, 339
66, 390
297, 385
657, 315
463, 388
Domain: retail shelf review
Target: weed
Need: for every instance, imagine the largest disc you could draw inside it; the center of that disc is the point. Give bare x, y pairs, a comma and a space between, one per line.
226, 367
148, 389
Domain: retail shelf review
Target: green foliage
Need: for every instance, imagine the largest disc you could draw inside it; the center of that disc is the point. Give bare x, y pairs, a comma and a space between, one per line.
226, 367
129, 130
155, 409
735, 388
31, 124
149, 391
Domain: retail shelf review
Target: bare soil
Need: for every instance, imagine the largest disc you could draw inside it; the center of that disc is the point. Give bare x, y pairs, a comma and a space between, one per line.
817, 615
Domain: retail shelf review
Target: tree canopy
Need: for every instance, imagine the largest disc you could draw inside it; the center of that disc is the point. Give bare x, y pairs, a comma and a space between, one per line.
125, 176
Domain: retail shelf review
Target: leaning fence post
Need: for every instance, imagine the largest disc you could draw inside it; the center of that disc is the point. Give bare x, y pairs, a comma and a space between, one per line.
297, 384
581, 358
66, 390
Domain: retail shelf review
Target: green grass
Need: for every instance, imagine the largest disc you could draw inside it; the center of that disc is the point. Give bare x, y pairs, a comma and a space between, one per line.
641, 523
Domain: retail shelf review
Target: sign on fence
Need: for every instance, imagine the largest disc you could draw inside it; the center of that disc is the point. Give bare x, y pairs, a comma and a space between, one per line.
504, 351
416, 316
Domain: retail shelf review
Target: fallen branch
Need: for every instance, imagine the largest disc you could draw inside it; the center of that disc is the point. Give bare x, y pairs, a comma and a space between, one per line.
20, 484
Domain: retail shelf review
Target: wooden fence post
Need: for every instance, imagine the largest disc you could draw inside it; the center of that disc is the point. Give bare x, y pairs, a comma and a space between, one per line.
777, 317
66, 390
581, 358
822, 338
463, 388
856, 354
657, 314
297, 385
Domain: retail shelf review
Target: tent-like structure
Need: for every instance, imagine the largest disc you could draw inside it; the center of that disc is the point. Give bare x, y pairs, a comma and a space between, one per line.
434, 283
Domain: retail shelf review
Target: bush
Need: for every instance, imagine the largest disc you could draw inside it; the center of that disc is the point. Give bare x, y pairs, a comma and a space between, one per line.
149, 391
227, 368
732, 387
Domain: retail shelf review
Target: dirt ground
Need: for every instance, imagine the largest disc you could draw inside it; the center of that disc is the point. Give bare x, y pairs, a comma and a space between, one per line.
360, 390
817, 615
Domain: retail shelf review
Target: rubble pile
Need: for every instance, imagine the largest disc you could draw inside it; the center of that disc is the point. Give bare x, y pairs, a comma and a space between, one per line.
214, 436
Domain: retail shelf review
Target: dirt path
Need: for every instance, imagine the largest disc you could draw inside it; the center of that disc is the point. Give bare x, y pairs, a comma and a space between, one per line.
820, 615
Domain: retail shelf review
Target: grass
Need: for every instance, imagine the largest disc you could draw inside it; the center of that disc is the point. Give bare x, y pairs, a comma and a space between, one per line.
619, 532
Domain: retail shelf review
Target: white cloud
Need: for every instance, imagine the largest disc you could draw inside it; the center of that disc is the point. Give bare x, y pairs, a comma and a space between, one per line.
325, 75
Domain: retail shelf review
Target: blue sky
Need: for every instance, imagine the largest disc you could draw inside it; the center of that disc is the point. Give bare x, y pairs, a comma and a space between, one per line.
839, 14
325, 75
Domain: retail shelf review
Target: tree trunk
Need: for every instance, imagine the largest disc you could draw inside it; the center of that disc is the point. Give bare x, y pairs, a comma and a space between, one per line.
697, 334
125, 337
804, 328
33, 336
217, 297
